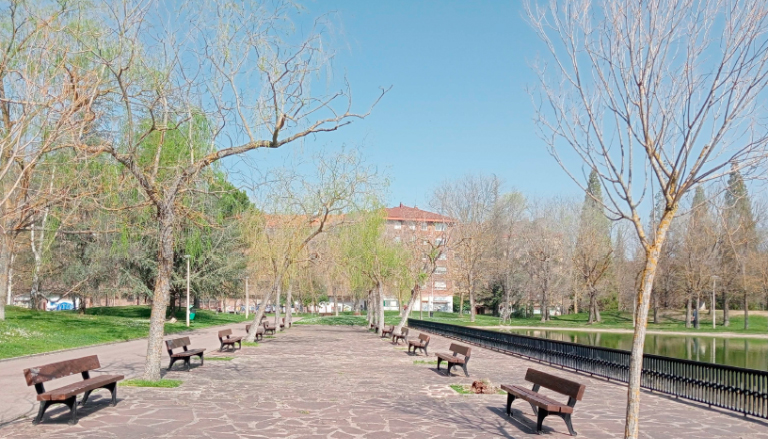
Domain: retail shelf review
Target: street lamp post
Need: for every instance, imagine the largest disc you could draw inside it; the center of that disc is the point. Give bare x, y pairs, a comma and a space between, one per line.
187, 258
246, 297
714, 313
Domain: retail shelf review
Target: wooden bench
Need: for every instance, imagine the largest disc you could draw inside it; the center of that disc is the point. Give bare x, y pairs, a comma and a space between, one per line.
259, 331
454, 360
226, 339
544, 406
269, 327
421, 343
284, 323
68, 394
186, 354
403, 335
387, 331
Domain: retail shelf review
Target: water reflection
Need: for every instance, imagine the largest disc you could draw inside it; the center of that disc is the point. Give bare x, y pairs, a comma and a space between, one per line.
751, 353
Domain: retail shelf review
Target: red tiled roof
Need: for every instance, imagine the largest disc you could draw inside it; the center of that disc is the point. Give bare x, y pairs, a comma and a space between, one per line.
405, 213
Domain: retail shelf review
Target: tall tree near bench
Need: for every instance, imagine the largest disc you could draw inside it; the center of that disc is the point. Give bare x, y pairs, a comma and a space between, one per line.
222, 80
661, 92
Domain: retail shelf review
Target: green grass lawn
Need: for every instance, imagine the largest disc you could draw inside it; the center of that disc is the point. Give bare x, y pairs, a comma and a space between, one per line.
26, 332
611, 320
347, 318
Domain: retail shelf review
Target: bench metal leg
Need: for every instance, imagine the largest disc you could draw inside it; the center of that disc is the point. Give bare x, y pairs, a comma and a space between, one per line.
510, 400
72, 404
43, 407
187, 362
567, 418
113, 390
173, 360
540, 419
450, 365
85, 397
202, 361
439, 360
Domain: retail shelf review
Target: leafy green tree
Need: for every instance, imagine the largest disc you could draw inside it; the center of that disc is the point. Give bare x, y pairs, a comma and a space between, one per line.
593, 252
740, 232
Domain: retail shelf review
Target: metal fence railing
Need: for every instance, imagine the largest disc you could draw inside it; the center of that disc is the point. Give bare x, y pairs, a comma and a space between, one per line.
733, 388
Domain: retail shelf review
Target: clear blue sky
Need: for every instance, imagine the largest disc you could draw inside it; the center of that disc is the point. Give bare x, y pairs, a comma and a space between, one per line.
458, 105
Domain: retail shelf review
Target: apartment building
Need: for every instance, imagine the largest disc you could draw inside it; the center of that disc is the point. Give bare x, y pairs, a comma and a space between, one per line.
411, 224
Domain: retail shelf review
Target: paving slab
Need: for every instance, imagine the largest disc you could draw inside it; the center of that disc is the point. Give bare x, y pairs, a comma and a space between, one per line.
345, 382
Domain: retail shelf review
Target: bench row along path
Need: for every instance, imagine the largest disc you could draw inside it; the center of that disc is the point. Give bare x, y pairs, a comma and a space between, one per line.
344, 382
125, 358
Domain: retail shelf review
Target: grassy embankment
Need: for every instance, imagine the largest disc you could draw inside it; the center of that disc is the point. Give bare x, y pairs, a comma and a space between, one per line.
614, 320
26, 332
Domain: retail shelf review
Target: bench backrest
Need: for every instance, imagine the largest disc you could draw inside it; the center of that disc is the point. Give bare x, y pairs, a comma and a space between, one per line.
466, 351
424, 337
41, 374
177, 343
269, 325
225, 333
569, 388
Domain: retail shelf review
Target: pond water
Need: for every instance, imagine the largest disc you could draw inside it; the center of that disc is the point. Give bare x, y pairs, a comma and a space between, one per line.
751, 353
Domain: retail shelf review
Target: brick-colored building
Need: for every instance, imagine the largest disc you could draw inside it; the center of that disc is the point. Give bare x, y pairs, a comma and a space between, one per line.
411, 223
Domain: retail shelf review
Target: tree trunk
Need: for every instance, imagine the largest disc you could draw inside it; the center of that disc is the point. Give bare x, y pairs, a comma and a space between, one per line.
380, 305
696, 316
632, 421
726, 305
278, 293
746, 310
575, 300
407, 311
472, 310
166, 218
544, 306
256, 322
368, 310
288, 305
655, 308
688, 312
6, 250
461, 304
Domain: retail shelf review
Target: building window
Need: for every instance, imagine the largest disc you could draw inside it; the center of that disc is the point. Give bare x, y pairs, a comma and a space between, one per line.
424, 226
440, 285
398, 225
442, 257
440, 227
413, 238
412, 225
441, 270
439, 241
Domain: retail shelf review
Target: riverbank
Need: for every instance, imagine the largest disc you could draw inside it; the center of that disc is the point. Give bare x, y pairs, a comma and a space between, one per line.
668, 322
694, 332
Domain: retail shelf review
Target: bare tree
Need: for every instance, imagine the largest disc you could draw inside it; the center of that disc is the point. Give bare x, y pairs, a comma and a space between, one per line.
183, 88
296, 209
663, 91
470, 201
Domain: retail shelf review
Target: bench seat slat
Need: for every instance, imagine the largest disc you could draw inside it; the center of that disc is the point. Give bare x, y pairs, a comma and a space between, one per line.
188, 353
79, 387
231, 340
537, 399
450, 358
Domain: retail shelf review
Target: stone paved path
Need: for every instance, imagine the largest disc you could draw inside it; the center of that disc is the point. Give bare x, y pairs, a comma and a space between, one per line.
342, 382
